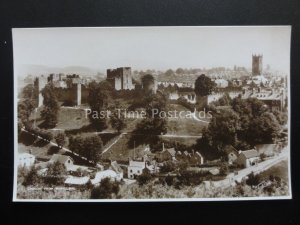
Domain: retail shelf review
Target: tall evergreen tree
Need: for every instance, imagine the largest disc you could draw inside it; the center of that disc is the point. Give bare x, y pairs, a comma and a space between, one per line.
51, 106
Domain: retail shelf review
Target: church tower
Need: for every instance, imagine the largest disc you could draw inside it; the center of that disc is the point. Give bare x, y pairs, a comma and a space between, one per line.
257, 65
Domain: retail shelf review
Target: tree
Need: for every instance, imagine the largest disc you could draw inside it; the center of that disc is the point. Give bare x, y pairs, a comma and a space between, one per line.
98, 101
56, 174
147, 80
32, 178
25, 108
221, 131
224, 169
106, 190
60, 139
117, 120
167, 167
169, 72
179, 71
148, 130
51, 107
76, 144
29, 96
44, 134
203, 85
253, 180
248, 123
263, 129
281, 117
144, 178
92, 148
148, 83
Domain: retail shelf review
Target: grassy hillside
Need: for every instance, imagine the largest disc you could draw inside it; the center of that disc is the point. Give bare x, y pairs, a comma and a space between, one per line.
68, 118
121, 152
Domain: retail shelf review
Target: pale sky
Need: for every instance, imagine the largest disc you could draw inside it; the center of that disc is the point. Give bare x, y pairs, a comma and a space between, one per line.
153, 47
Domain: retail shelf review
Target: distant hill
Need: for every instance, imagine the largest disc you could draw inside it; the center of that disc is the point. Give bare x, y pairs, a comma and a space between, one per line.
34, 70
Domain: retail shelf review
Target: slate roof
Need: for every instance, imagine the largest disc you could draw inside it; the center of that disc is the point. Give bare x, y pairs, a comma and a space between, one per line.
116, 167
250, 153
60, 158
171, 151
76, 180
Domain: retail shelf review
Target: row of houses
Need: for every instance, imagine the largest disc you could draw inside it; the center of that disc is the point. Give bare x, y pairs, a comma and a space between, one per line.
252, 156
170, 154
150, 161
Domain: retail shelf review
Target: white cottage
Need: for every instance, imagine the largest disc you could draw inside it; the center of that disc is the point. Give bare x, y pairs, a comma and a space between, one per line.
67, 161
135, 168
26, 160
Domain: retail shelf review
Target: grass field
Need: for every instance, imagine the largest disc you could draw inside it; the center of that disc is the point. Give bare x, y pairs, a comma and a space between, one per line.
75, 122
121, 152
279, 170
68, 118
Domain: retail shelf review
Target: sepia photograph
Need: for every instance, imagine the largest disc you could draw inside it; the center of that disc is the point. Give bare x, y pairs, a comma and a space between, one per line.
114, 114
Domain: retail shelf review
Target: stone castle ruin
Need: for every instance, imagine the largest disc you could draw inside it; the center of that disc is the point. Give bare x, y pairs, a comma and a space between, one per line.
120, 78
71, 89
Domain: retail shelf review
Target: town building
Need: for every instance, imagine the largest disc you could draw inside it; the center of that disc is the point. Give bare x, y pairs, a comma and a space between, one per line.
186, 93
231, 154
248, 158
167, 154
273, 98
26, 159
135, 168
67, 161
215, 96
190, 157
221, 83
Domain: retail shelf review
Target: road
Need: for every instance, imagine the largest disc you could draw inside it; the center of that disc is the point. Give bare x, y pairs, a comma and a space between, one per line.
114, 142
260, 167
196, 118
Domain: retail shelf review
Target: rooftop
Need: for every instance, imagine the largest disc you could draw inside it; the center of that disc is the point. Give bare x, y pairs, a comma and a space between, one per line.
250, 153
60, 158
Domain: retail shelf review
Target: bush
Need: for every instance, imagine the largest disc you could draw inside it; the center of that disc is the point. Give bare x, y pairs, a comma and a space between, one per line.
167, 167
105, 190
60, 139
144, 178
224, 169
56, 174
32, 178
253, 180
190, 178
169, 180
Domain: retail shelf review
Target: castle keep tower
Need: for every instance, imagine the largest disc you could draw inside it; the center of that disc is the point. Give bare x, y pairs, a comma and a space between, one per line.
120, 78
256, 65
